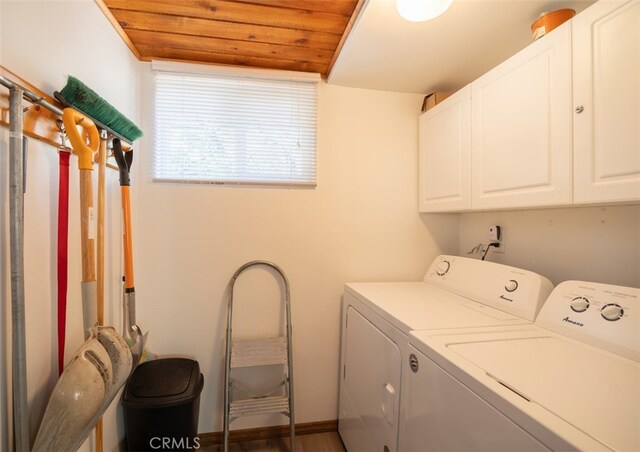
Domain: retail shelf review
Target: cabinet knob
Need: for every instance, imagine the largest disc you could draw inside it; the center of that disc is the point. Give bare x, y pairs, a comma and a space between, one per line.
579, 109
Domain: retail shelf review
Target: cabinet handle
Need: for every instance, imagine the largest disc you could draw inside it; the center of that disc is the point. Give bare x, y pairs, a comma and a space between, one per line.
579, 109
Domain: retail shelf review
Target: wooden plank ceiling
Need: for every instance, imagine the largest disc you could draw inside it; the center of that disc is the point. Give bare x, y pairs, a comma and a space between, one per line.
297, 35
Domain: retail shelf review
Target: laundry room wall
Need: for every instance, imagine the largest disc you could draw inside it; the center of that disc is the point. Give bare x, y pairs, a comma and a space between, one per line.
600, 244
43, 42
359, 223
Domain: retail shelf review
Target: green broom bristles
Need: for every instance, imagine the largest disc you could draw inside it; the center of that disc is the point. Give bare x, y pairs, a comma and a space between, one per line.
86, 100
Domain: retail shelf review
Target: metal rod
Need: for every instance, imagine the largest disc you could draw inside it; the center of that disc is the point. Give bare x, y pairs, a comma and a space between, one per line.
31, 97
16, 228
25, 157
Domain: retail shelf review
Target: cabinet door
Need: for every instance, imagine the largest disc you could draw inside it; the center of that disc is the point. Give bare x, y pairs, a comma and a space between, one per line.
606, 74
521, 138
445, 155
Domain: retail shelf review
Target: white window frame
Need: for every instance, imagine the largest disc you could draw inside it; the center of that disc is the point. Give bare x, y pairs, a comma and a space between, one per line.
236, 72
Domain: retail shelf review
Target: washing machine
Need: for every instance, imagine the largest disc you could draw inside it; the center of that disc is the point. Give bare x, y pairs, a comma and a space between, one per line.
377, 318
571, 381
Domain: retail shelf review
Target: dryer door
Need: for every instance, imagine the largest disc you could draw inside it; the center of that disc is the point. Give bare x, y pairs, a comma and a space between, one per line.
371, 385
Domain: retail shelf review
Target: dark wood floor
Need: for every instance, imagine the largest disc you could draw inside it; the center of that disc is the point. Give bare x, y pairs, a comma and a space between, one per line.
317, 442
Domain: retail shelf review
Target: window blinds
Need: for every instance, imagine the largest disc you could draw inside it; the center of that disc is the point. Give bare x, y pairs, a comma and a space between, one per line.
234, 130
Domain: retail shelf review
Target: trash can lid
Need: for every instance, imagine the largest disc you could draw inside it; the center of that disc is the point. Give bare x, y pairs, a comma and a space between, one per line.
164, 382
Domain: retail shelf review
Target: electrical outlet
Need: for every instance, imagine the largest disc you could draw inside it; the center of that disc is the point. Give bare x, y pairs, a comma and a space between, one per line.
495, 236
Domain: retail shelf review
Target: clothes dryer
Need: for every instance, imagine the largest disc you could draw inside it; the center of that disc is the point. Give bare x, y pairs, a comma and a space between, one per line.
456, 292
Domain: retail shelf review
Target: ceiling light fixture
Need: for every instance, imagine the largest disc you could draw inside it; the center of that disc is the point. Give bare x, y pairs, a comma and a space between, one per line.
421, 10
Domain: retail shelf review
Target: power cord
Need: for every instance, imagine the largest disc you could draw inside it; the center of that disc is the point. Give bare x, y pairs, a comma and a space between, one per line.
496, 244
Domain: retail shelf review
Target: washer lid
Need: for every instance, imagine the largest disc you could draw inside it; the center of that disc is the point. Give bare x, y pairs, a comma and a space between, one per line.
593, 390
419, 306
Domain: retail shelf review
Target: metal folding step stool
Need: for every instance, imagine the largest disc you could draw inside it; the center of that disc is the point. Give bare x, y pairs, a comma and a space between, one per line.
259, 352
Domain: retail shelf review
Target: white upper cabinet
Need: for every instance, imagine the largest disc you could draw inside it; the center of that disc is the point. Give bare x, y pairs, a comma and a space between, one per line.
606, 75
521, 136
445, 155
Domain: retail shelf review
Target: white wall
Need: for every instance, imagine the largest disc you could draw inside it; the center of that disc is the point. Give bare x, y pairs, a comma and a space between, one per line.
43, 42
600, 244
360, 223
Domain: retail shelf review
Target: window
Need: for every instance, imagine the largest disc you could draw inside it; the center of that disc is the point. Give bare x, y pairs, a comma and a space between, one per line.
229, 129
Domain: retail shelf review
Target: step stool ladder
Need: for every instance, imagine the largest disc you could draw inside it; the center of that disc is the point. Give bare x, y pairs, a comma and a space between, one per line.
259, 352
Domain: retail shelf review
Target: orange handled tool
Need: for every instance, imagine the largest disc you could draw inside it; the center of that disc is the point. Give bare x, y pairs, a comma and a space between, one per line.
85, 152
124, 161
73, 118
131, 329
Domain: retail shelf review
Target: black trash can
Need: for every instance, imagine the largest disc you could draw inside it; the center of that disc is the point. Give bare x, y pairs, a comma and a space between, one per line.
161, 404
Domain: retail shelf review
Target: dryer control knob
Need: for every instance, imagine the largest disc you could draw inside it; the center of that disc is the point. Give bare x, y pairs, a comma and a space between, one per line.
443, 267
612, 312
511, 286
579, 304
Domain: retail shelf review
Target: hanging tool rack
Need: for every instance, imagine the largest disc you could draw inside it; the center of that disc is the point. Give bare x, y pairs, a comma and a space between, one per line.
38, 100
40, 119
23, 122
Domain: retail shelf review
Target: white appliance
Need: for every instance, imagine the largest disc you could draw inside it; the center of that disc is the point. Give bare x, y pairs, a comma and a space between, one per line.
571, 381
377, 317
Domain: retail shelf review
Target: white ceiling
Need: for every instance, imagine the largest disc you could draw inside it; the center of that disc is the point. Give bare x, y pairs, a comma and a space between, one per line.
386, 52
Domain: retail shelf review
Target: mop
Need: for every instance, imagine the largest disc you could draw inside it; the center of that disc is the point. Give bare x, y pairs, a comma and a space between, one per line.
102, 365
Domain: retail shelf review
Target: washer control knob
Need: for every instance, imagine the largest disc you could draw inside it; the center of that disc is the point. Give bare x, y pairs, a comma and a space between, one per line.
511, 286
443, 267
612, 312
579, 304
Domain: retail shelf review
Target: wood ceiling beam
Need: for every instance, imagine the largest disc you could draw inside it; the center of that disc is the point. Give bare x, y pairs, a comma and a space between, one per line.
133, 20
344, 7
226, 46
220, 10
190, 56
301, 35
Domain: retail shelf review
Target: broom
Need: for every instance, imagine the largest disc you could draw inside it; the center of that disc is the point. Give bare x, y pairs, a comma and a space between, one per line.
79, 96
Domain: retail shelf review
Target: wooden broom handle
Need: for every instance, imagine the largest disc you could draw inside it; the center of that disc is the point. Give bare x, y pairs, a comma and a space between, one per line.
102, 162
87, 242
